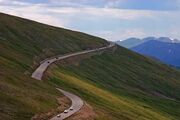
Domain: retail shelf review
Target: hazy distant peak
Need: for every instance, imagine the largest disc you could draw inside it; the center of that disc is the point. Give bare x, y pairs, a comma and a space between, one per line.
132, 42
169, 40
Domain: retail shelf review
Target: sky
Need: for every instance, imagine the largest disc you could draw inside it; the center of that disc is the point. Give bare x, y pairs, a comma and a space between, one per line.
109, 19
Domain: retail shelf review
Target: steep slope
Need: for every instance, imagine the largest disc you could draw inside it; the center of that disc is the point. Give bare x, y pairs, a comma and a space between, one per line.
119, 85
166, 52
23, 44
122, 86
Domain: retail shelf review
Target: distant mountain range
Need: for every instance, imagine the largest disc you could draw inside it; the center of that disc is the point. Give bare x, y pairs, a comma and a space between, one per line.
164, 49
132, 42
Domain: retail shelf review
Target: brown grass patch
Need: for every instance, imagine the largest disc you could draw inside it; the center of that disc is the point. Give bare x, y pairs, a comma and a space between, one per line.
63, 102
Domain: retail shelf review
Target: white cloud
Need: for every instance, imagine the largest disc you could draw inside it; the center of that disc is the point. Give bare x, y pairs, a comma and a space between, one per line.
61, 16
19, 6
133, 32
101, 12
13, 2
2, 1
120, 34
66, 16
120, 13
113, 3
174, 32
34, 12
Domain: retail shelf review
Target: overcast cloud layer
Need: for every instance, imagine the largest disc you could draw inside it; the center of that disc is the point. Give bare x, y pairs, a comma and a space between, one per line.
110, 19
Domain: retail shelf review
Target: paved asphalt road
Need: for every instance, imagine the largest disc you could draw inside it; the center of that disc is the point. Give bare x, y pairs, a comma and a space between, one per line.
77, 103
38, 73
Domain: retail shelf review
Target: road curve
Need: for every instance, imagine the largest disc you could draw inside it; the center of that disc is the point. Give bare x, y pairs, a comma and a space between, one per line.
77, 103
38, 73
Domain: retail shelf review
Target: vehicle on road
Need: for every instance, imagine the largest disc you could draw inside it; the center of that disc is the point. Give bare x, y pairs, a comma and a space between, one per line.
71, 108
59, 115
65, 111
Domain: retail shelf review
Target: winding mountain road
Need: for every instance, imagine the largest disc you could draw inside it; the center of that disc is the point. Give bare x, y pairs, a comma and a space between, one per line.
38, 73
77, 102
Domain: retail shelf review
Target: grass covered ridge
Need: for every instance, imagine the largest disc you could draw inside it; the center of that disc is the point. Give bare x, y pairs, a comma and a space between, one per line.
123, 85
23, 44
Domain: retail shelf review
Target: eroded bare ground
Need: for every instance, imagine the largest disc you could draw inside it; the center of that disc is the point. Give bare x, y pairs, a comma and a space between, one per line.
85, 113
63, 103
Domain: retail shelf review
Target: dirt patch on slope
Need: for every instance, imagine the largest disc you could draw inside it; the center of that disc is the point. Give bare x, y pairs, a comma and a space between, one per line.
85, 113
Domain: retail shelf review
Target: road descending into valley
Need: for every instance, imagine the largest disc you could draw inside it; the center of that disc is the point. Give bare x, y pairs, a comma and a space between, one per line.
77, 102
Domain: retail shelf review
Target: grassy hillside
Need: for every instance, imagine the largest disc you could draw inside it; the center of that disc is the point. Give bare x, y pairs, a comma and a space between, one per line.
120, 85
23, 43
123, 86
